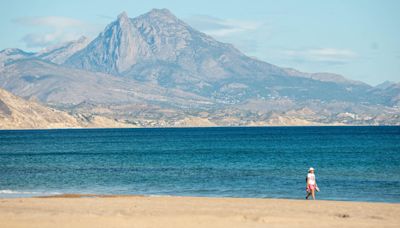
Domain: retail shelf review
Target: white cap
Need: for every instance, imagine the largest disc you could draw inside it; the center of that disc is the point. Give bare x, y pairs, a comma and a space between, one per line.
310, 169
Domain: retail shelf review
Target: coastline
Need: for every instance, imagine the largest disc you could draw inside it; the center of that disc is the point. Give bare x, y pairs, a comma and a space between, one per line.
190, 127
87, 210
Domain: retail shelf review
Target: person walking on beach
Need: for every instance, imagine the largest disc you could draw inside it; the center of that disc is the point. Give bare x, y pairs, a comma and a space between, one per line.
311, 184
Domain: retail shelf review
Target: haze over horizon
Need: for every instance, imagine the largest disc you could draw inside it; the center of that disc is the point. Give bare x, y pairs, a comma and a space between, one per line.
355, 39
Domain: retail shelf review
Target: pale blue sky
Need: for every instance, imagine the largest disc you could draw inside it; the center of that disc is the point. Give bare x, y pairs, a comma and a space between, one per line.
359, 39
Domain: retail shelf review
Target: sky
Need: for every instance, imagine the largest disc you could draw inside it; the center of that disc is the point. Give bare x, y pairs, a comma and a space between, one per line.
359, 39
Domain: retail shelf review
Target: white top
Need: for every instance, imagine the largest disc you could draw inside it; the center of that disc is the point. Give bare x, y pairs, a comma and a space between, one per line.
311, 178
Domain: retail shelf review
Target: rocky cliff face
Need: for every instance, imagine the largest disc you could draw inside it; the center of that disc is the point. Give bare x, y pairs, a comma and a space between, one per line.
16, 112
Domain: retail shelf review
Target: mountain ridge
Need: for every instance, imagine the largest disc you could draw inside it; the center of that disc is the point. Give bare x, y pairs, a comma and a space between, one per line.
60, 53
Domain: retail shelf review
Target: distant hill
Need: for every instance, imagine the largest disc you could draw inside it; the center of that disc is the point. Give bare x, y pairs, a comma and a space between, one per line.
156, 70
17, 113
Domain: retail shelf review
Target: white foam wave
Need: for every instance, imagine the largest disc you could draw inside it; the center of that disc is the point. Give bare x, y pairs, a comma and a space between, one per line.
12, 192
8, 191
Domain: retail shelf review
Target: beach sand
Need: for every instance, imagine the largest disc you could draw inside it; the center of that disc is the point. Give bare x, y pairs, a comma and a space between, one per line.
165, 212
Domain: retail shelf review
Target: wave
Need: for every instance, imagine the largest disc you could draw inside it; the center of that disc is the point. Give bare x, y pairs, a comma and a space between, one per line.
7, 191
12, 192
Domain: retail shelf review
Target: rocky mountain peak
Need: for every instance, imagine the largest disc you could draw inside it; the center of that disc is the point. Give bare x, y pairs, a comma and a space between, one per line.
14, 51
82, 39
170, 46
11, 54
385, 85
157, 34
123, 18
160, 13
113, 51
122, 15
162, 19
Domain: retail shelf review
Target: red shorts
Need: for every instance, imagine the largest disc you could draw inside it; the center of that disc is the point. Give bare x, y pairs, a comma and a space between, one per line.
311, 186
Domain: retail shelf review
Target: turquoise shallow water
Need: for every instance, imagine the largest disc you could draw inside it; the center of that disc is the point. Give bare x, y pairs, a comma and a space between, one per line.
352, 163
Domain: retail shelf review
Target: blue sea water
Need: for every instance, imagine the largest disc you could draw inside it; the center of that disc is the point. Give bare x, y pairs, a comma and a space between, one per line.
352, 163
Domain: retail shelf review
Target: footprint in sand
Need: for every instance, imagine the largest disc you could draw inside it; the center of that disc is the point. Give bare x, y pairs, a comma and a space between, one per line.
343, 215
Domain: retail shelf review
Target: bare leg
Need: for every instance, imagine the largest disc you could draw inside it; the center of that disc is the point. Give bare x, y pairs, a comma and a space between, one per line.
308, 195
313, 193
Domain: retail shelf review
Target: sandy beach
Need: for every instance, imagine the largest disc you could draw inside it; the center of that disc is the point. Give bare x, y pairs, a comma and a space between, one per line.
139, 211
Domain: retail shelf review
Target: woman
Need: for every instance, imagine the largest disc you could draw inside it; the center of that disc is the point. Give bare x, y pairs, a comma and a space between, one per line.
311, 183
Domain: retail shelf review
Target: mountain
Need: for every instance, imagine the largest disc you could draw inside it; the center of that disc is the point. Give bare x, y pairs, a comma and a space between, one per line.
60, 53
156, 70
384, 85
17, 113
325, 77
56, 54
159, 48
389, 91
11, 54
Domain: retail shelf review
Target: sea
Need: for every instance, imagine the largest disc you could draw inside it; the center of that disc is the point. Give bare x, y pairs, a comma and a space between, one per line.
351, 163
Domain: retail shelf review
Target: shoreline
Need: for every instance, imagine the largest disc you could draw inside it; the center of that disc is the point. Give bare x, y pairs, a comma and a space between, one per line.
97, 195
91, 210
93, 195
191, 127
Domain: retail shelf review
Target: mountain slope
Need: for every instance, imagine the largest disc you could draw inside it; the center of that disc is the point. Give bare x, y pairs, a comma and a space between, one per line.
54, 84
11, 54
17, 113
60, 53
388, 91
